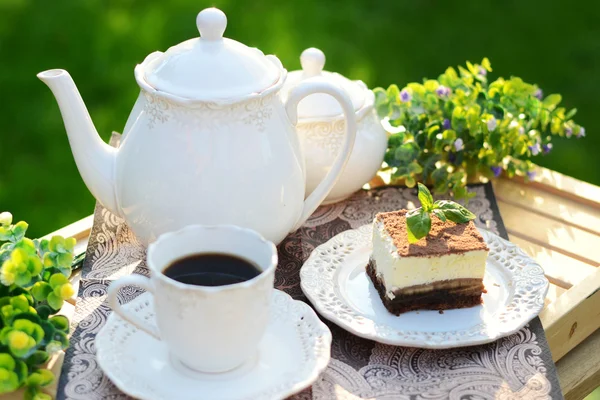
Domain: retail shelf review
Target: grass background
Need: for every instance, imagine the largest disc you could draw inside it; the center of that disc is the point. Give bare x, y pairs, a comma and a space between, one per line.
554, 43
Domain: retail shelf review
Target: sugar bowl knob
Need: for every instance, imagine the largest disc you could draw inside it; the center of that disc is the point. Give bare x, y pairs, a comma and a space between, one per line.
211, 23
312, 61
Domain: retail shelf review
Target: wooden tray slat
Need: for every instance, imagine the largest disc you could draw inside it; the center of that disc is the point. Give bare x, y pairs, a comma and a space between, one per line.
566, 186
548, 204
560, 269
558, 236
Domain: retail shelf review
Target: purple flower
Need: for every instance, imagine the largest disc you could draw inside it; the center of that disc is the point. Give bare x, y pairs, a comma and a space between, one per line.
446, 124
546, 148
491, 124
482, 71
539, 94
568, 131
458, 144
531, 175
535, 149
452, 158
581, 132
497, 171
405, 96
442, 91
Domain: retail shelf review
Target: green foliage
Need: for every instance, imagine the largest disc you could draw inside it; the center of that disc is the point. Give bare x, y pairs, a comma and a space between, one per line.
34, 284
460, 127
418, 221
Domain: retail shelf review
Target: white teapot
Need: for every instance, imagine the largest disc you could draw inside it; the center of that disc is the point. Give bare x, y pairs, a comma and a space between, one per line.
209, 140
321, 127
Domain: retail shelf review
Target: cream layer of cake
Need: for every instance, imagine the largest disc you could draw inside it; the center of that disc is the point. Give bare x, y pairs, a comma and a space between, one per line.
400, 272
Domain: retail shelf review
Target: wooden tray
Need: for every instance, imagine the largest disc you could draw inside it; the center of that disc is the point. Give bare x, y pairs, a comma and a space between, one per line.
556, 219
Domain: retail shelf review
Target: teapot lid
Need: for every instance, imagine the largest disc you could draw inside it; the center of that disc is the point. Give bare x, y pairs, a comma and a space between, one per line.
210, 67
319, 105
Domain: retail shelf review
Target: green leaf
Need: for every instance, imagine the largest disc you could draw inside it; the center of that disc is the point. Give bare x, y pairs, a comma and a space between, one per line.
57, 280
21, 371
498, 112
62, 338
29, 316
455, 212
440, 214
393, 92
54, 301
20, 302
7, 362
570, 114
41, 290
35, 393
552, 100
485, 63
41, 377
9, 381
425, 198
5, 233
19, 230
415, 168
60, 322
37, 358
418, 225
49, 332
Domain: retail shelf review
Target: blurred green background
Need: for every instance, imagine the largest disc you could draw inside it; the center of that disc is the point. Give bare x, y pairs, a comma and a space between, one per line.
555, 44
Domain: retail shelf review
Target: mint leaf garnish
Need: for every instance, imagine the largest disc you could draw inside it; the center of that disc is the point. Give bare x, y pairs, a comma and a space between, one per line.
418, 221
440, 214
454, 211
418, 224
425, 198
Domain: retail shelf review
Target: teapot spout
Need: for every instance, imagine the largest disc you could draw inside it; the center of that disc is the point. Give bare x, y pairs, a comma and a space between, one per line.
94, 158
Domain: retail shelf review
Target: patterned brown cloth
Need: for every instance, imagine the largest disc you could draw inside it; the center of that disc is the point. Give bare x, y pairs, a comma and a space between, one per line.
518, 366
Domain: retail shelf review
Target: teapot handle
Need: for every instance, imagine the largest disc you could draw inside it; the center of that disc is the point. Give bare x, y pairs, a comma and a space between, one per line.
299, 92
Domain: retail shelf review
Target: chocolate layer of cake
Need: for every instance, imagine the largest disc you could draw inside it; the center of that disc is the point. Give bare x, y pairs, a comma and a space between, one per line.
443, 295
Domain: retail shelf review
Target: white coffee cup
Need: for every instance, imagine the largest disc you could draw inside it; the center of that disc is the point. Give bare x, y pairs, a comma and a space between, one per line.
206, 328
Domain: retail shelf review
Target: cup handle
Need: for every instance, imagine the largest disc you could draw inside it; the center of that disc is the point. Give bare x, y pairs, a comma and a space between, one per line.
299, 92
113, 301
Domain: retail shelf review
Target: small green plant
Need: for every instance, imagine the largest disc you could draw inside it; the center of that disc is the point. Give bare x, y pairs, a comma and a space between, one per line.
418, 221
460, 127
33, 285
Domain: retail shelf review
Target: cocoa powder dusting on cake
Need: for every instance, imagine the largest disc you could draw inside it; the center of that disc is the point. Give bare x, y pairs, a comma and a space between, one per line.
444, 237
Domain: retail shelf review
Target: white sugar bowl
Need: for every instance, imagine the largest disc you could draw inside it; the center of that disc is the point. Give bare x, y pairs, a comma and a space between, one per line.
321, 129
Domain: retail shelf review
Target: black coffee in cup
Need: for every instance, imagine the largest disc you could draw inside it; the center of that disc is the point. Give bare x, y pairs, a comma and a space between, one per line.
211, 269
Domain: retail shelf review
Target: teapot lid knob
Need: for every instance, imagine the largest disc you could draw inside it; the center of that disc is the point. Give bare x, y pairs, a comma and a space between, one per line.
211, 23
312, 61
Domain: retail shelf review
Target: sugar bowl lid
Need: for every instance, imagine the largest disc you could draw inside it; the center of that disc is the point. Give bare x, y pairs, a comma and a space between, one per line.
210, 67
321, 105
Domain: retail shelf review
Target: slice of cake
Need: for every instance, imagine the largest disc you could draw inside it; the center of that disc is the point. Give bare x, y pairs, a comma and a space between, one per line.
441, 271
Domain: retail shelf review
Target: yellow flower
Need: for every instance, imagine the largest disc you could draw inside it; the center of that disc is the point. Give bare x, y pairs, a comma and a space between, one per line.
66, 291
19, 340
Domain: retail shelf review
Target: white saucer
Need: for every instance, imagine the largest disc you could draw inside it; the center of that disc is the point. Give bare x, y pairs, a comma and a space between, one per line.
294, 351
334, 280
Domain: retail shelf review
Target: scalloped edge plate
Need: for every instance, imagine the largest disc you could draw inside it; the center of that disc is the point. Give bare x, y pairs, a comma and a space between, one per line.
294, 351
334, 280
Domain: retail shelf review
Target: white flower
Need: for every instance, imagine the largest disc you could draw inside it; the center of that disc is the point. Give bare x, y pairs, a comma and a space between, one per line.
5, 218
458, 144
492, 124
